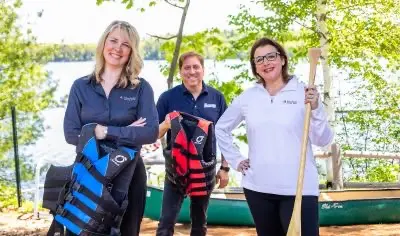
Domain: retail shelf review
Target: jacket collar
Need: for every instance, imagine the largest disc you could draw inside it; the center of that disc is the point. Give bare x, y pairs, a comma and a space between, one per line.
203, 90
292, 85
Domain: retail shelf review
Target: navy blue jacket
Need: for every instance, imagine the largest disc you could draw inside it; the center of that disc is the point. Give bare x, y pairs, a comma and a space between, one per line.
88, 103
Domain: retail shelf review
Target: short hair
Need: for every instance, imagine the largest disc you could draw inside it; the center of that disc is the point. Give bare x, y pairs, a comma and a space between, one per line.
186, 55
264, 42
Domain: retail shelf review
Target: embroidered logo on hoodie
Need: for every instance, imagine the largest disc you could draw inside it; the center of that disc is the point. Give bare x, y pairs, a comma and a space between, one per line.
289, 102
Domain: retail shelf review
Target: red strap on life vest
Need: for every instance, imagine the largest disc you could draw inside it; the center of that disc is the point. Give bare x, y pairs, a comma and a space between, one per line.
185, 163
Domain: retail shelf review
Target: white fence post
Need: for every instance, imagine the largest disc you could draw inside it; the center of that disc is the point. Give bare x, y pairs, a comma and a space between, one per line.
337, 167
37, 190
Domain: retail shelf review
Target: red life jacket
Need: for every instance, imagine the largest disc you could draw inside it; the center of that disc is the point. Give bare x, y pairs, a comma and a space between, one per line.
186, 166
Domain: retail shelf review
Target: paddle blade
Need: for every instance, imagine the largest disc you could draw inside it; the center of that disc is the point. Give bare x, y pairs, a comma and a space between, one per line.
313, 55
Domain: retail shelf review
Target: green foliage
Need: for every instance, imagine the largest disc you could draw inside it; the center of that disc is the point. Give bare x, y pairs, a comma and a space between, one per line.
150, 48
72, 52
205, 42
374, 170
356, 46
8, 200
130, 3
24, 84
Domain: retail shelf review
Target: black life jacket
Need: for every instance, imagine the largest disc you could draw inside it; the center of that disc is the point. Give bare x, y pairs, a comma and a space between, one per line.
87, 204
186, 167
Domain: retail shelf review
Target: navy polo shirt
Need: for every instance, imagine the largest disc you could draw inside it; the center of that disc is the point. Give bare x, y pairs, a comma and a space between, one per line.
209, 105
87, 103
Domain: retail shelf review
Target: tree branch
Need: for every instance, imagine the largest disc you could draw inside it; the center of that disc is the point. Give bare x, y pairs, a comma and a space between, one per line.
307, 27
163, 38
172, 4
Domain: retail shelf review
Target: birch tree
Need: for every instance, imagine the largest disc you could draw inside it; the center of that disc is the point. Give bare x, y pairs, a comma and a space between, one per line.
360, 38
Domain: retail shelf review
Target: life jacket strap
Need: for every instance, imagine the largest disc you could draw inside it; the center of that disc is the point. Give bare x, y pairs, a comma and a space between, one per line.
95, 173
63, 213
115, 210
99, 216
206, 170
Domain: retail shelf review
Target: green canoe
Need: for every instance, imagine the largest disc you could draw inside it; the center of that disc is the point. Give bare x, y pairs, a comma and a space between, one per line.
348, 207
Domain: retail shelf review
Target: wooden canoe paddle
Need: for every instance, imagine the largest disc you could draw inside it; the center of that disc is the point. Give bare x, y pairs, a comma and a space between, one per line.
295, 221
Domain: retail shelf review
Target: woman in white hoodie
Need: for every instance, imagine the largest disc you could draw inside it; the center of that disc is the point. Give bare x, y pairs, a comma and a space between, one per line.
274, 111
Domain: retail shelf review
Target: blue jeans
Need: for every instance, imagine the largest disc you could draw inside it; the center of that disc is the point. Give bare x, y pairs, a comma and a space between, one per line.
172, 202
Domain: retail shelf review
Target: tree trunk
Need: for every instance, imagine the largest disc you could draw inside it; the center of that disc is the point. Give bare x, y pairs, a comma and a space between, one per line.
174, 61
327, 92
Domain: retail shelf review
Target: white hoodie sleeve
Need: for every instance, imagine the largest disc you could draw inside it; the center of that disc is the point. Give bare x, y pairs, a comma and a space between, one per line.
321, 133
223, 132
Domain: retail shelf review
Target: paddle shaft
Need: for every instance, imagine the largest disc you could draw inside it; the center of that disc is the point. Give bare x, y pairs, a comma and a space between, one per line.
295, 221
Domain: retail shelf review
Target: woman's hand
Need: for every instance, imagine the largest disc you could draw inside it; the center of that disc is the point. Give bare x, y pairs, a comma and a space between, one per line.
100, 132
243, 166
312, 97
139, 123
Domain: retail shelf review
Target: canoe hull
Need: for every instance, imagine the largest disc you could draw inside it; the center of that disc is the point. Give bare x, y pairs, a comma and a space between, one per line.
220, 211
236, 212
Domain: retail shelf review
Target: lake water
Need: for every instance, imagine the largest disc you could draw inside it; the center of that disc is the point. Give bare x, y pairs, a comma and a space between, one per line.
53, 149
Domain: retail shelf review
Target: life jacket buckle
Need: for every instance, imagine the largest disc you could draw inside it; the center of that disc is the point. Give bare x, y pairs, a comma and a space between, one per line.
69, 198
76, 187
109, 186
87, 164
60, 211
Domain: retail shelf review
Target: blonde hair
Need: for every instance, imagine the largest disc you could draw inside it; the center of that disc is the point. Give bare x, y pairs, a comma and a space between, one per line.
135, 63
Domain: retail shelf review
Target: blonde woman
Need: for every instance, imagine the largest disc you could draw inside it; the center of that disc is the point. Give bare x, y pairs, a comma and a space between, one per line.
122, 105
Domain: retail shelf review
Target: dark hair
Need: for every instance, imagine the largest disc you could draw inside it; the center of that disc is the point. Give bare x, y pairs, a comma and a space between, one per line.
185, 55
263, 42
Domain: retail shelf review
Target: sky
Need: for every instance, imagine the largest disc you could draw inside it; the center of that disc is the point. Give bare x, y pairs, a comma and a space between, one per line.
82, 21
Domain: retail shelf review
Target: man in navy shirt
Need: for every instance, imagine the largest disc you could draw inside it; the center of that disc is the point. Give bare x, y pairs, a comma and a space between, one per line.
193, 96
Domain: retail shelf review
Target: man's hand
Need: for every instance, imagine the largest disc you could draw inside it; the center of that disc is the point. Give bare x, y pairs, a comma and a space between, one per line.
222, 178
167, 122
164, 126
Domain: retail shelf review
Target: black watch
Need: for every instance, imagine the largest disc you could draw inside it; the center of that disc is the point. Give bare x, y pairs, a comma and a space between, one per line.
224, 168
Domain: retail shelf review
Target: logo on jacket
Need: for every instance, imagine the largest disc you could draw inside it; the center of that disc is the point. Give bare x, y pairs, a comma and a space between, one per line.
119, 159
199, 140
289, 102
129, 99
206, 105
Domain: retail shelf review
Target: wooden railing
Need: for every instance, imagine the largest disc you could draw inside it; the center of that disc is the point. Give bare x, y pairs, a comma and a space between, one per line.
337, 168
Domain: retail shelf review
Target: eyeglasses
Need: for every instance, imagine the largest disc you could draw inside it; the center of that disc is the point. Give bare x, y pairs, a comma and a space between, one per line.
269, 56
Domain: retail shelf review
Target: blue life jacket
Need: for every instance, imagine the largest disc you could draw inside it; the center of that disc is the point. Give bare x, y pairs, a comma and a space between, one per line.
86, 205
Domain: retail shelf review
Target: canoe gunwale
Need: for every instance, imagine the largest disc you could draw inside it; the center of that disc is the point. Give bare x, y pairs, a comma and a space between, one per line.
335, 192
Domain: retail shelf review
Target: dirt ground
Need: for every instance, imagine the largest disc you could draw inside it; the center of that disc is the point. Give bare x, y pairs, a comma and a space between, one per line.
16, 224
